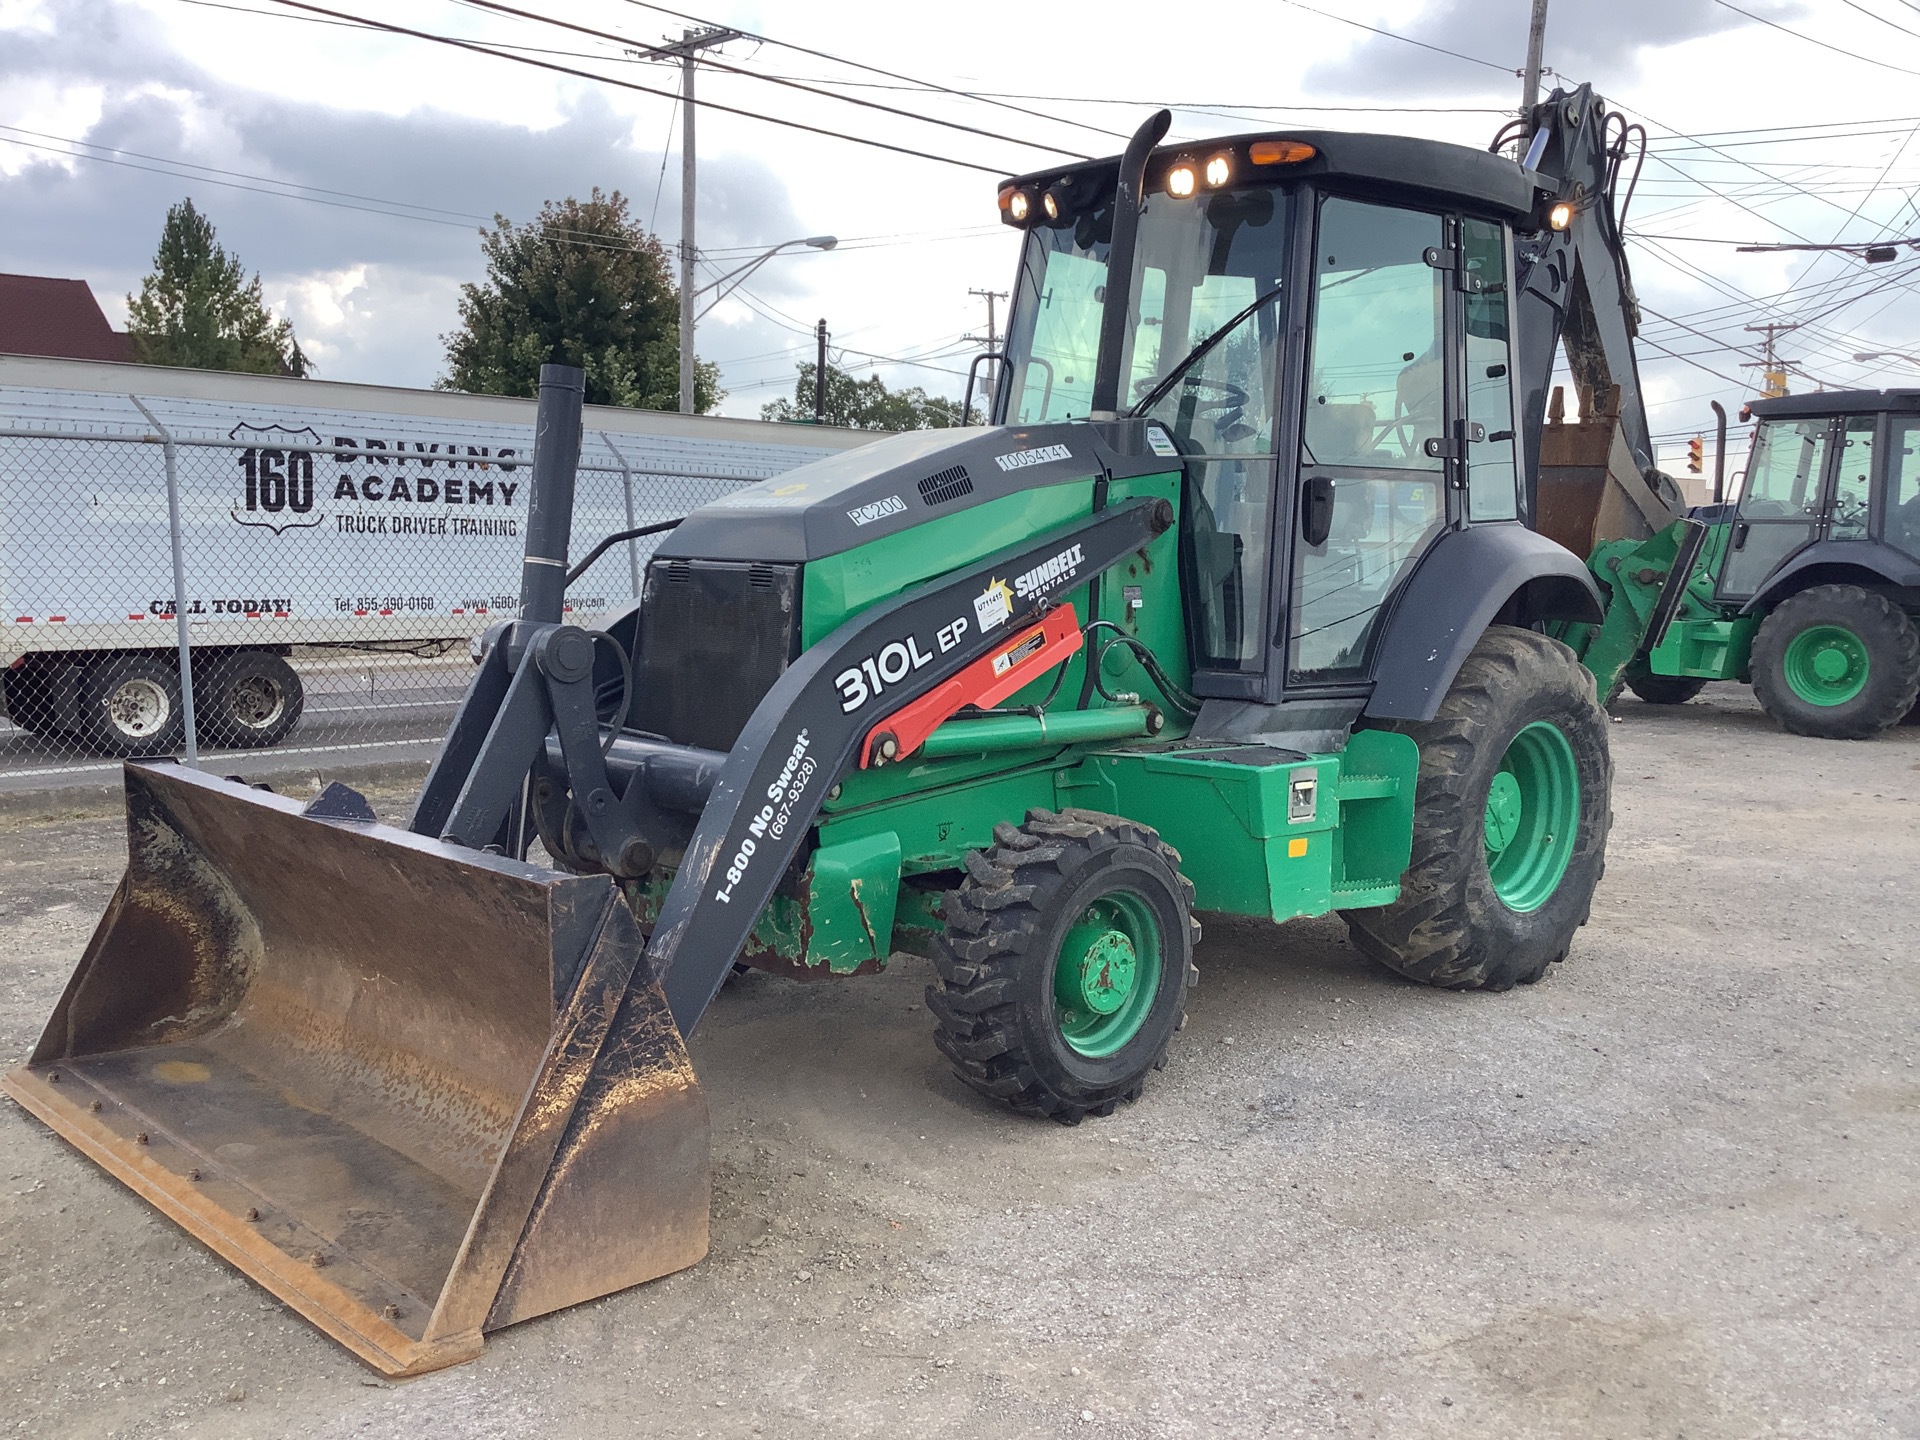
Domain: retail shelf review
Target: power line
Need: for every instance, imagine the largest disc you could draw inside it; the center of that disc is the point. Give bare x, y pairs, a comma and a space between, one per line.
1808, 39
498, 8
480, 49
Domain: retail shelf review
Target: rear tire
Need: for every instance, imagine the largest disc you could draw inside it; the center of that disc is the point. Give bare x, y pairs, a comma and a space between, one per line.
1064, 964
130, 706
251, 700
1510, 822
1836, 662
1662, 689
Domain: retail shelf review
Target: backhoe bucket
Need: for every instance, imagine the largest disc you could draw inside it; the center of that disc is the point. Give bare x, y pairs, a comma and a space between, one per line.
416, 1091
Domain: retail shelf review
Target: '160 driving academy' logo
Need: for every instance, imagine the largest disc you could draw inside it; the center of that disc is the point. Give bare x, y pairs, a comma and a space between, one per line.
278, 478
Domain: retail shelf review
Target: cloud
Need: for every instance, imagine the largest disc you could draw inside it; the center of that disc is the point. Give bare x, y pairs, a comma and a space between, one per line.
1600, 43
373, 290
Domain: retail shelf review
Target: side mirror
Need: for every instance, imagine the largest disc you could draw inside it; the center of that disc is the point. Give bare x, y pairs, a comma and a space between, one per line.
1316, 510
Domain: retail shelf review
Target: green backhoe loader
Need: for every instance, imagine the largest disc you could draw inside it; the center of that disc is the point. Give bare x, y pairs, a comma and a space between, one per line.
1808, 586
1244, 604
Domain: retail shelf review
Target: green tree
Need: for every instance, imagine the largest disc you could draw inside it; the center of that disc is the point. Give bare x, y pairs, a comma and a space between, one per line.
198, 308
584, 284
865, 404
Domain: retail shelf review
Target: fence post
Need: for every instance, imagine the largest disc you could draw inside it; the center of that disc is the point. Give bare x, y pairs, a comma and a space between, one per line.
172, 454
626, 485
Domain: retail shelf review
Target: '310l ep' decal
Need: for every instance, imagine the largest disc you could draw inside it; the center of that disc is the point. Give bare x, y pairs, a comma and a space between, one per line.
895, 661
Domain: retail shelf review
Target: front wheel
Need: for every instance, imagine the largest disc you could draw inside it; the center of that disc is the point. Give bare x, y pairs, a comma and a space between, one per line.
1510, 821
1064, 963
1836, 662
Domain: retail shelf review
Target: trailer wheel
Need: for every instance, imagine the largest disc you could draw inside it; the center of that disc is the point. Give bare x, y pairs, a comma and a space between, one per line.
29, 705
1836, 662
1510, 821
251, 700
1662, 689
1064, 963
130, 705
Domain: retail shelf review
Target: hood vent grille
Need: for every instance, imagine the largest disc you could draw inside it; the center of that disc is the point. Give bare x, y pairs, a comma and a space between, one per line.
948, 484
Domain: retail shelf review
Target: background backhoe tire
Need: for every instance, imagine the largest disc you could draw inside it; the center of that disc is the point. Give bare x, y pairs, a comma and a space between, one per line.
1662, 689
1064, 963
1503, 869
1836, 662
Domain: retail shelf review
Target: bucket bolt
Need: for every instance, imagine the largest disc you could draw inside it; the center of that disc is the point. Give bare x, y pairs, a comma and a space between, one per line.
194, 1173
53, 1077
140, 1137
94, 1106
252, 1213
390, 1311
318, 1260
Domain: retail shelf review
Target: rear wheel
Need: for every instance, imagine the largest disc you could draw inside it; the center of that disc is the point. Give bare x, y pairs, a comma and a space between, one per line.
1510, 822
1064, 964
1837, 662
130, 706
1662, 689
251, 700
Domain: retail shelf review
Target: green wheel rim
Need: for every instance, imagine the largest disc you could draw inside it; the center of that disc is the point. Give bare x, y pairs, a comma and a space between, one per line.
1825, 665
1107, 974
1532, 815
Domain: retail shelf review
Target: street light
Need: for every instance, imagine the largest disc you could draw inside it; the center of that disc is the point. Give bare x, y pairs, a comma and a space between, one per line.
1887, 355
733, 279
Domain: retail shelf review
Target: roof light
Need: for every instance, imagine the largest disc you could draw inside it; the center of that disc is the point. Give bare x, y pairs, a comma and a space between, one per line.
1182, 180
1050, 203
1280, 152
1019, 206
1219, 169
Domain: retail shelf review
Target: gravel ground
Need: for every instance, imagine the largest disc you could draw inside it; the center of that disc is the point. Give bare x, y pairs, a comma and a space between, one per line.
1670, 1191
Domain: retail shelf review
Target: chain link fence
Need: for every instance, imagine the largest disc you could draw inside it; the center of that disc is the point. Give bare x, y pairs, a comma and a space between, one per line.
287, 591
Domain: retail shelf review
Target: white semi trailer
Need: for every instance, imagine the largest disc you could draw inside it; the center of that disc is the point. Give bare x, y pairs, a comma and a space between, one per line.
309, 513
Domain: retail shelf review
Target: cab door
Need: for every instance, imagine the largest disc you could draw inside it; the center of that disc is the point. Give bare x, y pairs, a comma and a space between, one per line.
1375, 439
1780, 505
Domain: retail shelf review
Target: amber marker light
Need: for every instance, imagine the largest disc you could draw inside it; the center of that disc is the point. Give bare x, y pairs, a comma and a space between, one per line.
1280, 152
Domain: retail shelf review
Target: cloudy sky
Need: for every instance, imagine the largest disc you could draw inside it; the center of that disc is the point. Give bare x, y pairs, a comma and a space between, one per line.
351, 167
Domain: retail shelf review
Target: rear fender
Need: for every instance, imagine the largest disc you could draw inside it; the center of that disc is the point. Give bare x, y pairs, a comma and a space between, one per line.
1467, 581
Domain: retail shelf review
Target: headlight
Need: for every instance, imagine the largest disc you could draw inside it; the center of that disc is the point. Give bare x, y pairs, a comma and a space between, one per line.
1560, 216
1181, 180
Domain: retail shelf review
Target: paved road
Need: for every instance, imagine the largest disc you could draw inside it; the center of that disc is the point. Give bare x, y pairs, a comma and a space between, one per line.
362, 710
1669, 1191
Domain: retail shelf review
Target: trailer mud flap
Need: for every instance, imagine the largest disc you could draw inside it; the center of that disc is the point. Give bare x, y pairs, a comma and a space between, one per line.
416, 1091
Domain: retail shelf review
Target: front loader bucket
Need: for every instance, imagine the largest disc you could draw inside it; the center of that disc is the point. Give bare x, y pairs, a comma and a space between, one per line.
416, 1091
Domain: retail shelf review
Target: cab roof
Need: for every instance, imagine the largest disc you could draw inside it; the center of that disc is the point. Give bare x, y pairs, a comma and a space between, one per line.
1458, 173
1834, 402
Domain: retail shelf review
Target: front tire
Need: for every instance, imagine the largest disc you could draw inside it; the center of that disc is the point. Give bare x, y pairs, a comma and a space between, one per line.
1836, 662
1511, 813
1064, 963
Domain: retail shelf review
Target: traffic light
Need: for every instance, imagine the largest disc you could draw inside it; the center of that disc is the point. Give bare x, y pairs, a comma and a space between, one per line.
1696, 449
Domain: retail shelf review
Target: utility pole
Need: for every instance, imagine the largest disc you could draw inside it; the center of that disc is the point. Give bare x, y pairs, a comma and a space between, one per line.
992, 343
820, 374
1773, 373
1536, 43
687, 50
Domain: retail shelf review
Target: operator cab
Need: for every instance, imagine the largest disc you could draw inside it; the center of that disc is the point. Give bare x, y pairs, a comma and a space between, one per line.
1834, 466
1319, 323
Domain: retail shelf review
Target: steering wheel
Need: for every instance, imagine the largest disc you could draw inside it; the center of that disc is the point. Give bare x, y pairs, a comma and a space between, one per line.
1221, 402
